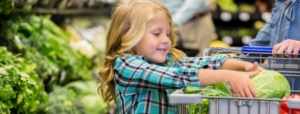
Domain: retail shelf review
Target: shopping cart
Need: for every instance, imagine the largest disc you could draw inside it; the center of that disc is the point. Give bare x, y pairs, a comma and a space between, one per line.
289, 67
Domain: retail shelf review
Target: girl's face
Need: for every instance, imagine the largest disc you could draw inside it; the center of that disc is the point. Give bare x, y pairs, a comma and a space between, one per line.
156, 43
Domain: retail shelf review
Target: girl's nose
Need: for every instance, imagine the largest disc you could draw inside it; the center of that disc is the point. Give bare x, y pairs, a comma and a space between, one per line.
165, 39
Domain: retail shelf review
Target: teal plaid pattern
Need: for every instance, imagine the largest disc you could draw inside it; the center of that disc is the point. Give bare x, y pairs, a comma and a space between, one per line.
143, 87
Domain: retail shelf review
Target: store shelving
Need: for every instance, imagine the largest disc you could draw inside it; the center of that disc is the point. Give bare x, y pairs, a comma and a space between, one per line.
241, 18
100, 11
42, 33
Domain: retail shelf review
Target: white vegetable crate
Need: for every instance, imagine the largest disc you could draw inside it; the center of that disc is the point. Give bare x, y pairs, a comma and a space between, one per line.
289, 67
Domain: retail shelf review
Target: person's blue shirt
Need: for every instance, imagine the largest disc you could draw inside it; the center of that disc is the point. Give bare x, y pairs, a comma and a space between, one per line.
283, 24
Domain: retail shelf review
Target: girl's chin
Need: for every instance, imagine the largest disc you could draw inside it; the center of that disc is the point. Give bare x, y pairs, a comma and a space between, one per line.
159, 60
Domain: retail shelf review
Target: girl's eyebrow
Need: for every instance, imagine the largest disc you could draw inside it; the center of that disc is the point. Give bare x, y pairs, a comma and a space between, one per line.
160, 28
157, 29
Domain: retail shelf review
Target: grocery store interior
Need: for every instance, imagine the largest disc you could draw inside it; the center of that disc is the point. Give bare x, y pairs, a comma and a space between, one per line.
51, 50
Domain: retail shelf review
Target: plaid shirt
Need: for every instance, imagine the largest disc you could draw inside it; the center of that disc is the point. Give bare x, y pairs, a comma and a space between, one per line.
144, 87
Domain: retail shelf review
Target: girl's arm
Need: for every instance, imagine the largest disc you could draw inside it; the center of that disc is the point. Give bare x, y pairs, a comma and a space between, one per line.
207, 62
238, 65
227, 64
234, 64
227, 70
214, 69
134, 75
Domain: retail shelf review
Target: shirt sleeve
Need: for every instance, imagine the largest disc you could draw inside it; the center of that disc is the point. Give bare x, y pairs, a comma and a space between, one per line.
263, 37
189, 9
134, 75
209, 62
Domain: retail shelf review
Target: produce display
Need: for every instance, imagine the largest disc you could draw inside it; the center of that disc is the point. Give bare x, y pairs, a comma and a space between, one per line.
78, 97
228, 5
44, 70
44, 43
240, 21
21, 90
6, 6
269, 84
237, 33
58, 4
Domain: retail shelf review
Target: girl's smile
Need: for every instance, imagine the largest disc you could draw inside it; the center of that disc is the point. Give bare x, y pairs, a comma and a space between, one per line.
162, 50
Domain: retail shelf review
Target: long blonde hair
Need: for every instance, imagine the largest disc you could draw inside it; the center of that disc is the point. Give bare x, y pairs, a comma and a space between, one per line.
127, 28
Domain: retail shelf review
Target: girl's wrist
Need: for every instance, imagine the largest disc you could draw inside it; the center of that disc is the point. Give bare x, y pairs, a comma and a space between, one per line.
210, 77
222, 75
248, 66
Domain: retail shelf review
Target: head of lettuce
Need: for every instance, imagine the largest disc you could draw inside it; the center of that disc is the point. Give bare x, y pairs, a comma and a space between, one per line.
271, 84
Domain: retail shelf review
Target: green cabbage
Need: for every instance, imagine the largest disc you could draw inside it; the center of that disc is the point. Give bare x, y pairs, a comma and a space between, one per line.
269, 84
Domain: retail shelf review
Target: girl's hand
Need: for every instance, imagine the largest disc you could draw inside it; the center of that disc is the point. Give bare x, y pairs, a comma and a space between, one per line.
254, 67
241, 84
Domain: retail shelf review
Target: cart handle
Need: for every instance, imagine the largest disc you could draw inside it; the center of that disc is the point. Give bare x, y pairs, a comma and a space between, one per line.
262, 49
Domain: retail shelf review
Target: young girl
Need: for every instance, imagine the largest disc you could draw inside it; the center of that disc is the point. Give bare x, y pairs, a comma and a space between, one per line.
142, 67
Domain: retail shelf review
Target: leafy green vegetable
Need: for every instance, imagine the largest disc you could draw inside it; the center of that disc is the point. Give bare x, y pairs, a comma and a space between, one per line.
192, 89
61, 101
269, 84
78, 97
21, 90
41, 41
92, 101
218, 89
6, 6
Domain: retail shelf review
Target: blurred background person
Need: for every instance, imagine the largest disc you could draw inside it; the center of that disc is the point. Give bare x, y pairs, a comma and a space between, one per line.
195, 25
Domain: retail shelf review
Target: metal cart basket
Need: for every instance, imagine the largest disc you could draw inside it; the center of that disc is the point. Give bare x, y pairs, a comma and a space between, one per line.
289, 67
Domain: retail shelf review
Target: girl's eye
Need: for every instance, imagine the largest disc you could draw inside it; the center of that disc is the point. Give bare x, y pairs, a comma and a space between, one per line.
156, 34
168, 35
